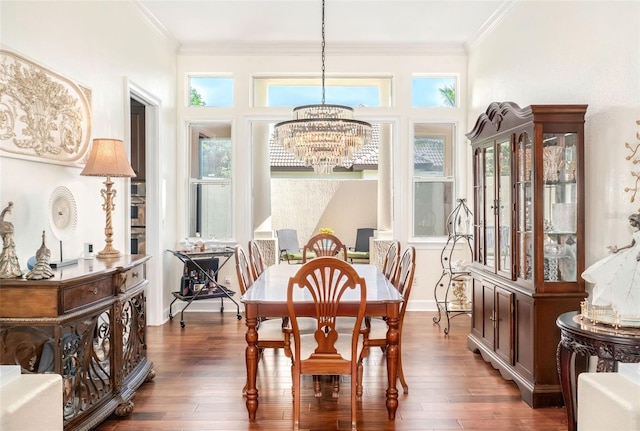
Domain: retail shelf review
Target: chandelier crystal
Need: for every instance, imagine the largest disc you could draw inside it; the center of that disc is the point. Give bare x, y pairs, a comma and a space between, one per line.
323, 136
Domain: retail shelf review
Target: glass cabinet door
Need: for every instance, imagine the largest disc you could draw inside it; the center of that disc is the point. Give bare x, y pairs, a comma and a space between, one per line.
524, 197
489, 207
503, 207
559, 206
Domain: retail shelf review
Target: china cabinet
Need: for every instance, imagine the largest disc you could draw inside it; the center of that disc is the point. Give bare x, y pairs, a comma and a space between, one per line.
528, 250
450, 291
87, 323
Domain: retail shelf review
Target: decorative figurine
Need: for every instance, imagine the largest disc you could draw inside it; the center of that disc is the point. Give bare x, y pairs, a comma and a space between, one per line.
617, 276
41, 269
9, 265
460, 292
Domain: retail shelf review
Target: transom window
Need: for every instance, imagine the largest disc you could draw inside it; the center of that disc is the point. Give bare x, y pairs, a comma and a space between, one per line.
211, 91
434, 91
274, 92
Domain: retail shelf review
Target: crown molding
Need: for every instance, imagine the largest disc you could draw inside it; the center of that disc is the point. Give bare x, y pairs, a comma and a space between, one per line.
155, 24
490, 24
308, 48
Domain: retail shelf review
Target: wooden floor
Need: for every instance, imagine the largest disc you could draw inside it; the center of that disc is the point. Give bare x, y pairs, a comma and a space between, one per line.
200, 372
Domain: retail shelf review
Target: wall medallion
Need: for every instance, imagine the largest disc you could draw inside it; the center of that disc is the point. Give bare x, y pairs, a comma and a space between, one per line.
44, 116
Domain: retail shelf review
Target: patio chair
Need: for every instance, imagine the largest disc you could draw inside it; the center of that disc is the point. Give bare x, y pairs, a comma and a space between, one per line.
361, 250
289, 245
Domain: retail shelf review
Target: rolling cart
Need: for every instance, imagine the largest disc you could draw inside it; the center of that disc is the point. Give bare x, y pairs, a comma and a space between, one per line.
200, 280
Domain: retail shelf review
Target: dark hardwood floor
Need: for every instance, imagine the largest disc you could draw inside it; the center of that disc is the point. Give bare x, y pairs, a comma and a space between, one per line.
200, 372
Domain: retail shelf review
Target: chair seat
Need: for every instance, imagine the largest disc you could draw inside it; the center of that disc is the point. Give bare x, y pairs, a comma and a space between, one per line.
292, 255
378, 329
344, 324
271, 329
351, 254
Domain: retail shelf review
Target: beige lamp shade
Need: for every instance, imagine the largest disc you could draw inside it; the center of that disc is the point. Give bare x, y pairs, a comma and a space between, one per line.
108, 158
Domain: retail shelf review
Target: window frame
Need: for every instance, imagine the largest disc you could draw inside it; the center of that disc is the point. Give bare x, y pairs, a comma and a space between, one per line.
192, 180
452, 178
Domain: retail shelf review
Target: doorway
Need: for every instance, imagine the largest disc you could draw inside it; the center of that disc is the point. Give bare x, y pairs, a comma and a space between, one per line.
138, 184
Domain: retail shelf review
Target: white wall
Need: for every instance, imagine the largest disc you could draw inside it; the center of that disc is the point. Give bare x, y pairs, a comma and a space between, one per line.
401, 66
310, 204
574, 52
105, 46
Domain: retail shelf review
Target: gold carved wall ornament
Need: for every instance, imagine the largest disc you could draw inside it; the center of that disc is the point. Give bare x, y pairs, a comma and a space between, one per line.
43, 116
635, 159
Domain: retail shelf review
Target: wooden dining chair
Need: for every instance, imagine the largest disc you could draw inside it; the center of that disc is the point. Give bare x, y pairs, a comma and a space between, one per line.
326, 280
390, 266
255, 259
243, 270
375, 333
324, 244
270, 331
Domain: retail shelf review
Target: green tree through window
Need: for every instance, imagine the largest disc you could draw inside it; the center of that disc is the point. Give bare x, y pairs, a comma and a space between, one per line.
195, 98
448, 93
215, 158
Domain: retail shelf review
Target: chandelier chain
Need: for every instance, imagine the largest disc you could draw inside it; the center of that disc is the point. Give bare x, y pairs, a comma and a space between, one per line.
323, 136
323, 46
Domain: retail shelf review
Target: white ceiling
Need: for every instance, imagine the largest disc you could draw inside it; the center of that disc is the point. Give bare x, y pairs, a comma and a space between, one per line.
199, 23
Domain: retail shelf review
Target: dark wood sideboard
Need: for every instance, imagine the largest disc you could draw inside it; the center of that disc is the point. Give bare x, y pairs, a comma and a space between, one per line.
87, 323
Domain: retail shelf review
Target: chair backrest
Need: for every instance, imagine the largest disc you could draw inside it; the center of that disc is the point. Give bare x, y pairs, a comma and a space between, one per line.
404, 279
327, 279
390, 266
362, 238
245, 278
325, 244
288, 240
255, 258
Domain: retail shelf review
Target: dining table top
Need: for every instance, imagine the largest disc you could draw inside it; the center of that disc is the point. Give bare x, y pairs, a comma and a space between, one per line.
271, 286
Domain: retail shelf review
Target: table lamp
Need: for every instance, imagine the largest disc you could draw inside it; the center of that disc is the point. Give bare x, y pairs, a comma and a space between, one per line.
108, 159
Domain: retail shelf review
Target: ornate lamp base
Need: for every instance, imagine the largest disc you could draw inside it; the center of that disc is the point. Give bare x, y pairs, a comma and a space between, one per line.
108, 254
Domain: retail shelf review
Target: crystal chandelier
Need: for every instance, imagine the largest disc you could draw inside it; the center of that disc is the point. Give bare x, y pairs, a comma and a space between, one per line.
323, 136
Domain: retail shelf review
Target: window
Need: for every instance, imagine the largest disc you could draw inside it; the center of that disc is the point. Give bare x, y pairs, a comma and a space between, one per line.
432, 178
210, 91
276, 92
430, 92
210, 199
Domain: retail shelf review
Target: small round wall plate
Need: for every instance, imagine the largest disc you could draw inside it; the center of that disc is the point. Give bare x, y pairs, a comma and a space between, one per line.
63, 213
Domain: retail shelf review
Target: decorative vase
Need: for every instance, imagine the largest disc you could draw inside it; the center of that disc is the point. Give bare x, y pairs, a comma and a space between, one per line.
552, 162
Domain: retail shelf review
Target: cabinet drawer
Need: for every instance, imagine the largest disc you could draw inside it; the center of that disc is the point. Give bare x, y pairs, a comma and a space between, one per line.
85, 294
132, 277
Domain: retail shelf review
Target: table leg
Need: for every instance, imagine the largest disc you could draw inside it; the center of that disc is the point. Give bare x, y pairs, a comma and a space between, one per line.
563, 355
251, 356
392, 364
566, 357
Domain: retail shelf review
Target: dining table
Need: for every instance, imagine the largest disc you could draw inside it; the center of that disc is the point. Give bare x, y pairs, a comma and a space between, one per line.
267, 297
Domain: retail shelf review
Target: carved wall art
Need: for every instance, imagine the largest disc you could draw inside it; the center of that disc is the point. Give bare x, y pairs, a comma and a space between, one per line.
634, 157
44, 116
